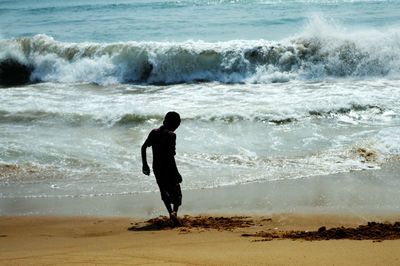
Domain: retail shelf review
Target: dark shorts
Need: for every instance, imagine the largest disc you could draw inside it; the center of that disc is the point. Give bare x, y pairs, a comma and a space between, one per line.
171, 194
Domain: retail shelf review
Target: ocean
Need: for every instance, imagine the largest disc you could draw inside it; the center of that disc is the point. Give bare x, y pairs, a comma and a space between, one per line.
270, 92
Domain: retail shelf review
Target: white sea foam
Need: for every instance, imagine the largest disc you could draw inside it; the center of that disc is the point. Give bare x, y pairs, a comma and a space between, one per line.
323, 50
230, 133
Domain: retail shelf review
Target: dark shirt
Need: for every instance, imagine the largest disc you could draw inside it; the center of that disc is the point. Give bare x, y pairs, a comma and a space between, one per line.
163, 143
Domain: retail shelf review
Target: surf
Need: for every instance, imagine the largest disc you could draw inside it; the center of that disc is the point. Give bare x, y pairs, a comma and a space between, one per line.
322, 51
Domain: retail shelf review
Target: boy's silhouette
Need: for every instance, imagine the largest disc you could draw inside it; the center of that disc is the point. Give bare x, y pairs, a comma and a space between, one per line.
162, 140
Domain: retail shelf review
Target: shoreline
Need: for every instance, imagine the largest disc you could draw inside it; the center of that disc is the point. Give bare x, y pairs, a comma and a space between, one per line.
365, 192
33, 240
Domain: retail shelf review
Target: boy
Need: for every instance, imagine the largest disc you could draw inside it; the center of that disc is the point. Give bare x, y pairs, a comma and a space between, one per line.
162, 140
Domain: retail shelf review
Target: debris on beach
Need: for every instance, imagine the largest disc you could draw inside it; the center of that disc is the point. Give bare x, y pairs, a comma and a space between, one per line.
194, 222
367, 155
372, 231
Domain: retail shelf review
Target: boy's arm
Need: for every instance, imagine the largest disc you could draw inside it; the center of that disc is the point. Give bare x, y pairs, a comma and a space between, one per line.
145, 166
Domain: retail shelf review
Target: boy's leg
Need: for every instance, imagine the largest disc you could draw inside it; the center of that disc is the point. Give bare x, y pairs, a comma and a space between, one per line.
176, 208
177, 197
165, 197
172, 197
174, 217
168, 206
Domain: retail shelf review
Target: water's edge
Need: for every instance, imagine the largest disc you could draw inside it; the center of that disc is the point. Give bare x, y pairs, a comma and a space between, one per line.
320, 194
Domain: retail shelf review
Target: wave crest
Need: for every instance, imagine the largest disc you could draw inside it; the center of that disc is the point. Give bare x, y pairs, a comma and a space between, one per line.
315, 54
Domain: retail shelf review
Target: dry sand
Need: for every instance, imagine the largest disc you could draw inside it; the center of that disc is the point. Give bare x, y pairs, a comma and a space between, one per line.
203, 240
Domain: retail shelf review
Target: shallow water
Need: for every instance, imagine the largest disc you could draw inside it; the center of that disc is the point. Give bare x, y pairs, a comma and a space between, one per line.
86, 139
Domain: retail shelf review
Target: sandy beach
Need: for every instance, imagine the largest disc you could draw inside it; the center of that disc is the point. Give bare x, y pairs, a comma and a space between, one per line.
222, 229
62, 240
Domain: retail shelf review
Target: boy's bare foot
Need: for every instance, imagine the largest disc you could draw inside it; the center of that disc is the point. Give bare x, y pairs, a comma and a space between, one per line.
174, 217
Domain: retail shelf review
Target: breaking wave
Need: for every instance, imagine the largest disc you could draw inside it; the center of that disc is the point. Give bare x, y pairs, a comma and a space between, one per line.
322, 51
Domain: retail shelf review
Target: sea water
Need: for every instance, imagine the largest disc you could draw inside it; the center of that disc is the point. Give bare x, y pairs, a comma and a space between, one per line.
267, 90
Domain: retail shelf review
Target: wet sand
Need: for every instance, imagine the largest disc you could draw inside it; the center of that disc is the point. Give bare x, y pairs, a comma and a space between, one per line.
201, 240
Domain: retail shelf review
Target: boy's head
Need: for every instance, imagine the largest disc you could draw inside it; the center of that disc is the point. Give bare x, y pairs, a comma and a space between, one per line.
172, 120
